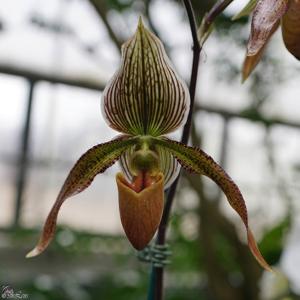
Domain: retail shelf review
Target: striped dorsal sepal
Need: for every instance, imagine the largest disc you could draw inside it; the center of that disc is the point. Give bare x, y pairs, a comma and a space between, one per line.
145, 96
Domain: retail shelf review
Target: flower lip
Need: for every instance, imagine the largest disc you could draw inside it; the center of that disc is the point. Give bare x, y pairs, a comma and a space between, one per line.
142, 181
140, 211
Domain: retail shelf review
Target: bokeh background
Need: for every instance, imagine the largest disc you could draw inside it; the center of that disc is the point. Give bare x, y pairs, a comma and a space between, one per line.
55, 59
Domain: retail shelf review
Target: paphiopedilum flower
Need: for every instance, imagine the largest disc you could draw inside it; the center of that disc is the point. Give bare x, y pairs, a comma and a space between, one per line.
145, 100
267, 16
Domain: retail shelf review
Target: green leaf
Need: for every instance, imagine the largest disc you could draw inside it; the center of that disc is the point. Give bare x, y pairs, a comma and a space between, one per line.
272, 243
145, 96
248, 8
94, 161
197, 161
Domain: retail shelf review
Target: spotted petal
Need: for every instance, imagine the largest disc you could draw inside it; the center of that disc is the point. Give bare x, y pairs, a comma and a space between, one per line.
291, 28
94, 161
266, 14
140, 211
145, 96
197, 161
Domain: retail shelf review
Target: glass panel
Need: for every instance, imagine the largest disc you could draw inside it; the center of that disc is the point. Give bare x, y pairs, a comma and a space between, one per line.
66, 123
13, 95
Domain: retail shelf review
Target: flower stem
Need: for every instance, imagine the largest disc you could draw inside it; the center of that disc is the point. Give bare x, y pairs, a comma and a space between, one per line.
157, 276
158, 273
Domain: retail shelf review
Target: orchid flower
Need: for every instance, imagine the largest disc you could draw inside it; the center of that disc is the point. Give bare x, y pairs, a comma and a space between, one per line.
267, 16
144, 101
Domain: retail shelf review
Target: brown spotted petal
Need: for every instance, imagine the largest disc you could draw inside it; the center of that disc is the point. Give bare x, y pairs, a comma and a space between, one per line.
266, 14
140, 211
145, 96
291, 28
251, 61
94, 161
197, 161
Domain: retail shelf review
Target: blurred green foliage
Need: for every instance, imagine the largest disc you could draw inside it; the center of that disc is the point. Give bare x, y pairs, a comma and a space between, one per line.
273, 241
122, 276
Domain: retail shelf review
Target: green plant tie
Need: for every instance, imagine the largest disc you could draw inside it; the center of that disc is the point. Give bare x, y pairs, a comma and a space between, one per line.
157, 255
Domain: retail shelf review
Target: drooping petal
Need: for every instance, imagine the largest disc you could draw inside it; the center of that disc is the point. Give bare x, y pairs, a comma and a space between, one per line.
266, 14
145, 96
140, 212
291, 28
197, 161
94, 161
168, 165
251, 61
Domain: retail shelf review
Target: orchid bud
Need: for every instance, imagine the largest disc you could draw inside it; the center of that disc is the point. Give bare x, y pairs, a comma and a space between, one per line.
265, 21
291, 28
